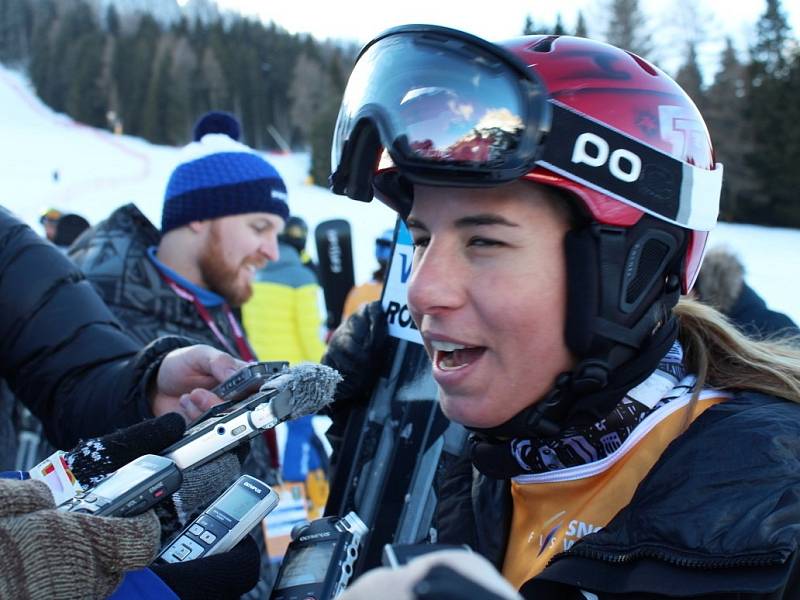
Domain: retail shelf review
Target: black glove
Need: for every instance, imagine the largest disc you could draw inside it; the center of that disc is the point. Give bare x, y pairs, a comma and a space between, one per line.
227, 575
91, 460
355, 350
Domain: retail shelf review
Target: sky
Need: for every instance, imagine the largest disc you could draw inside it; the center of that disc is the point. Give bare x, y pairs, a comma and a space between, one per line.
349, 19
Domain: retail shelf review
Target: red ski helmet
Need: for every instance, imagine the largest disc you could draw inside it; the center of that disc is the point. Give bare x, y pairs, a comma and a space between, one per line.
627, 94
437, 106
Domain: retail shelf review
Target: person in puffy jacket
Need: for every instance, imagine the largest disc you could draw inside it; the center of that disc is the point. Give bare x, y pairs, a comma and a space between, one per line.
721, 284
68, 360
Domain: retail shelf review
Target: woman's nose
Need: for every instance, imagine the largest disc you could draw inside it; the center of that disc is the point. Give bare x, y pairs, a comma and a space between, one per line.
437, 282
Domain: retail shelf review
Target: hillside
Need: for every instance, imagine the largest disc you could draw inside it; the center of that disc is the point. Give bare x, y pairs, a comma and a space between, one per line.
98, 171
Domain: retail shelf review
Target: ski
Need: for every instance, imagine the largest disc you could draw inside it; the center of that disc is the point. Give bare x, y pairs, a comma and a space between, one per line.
335, 255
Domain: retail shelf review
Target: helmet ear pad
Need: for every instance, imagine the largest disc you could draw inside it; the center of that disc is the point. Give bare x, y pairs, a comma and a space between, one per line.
622, 283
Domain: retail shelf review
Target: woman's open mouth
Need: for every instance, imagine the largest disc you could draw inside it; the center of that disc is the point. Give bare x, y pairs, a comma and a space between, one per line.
449, 356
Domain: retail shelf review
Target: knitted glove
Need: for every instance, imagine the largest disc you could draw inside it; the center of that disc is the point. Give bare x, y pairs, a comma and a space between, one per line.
92, 460
22, 497
49, 554
204, 484
221, 576
443, 575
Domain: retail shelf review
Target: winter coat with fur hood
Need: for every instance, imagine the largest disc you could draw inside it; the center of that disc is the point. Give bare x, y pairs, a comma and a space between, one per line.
721, 284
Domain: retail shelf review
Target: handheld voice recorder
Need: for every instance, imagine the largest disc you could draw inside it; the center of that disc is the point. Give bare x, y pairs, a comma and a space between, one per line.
248, 380
319, 560
243, 384
237, 422
224, 523
131, 490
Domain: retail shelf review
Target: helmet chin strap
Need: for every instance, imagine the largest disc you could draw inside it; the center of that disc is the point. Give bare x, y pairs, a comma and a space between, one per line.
622, 285
586, 394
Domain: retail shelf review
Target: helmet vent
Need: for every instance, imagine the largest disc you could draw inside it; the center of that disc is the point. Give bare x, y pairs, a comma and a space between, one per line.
644, 64
544, 45
650, 262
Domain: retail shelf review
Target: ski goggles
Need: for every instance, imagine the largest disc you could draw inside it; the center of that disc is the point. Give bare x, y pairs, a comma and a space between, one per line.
449, 108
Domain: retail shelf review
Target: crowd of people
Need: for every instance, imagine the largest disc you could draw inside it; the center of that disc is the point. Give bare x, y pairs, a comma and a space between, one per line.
633, 410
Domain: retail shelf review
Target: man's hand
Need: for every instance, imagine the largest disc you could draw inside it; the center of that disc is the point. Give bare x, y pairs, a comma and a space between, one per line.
185, 376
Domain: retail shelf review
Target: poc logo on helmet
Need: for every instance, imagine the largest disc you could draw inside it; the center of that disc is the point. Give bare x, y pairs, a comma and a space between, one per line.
592, 150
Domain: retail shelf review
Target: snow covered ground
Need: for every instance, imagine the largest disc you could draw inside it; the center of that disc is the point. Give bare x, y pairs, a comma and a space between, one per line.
98, 171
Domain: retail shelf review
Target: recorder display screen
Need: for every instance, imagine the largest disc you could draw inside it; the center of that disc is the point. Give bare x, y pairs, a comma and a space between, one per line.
307, 565
123, 480
237, 502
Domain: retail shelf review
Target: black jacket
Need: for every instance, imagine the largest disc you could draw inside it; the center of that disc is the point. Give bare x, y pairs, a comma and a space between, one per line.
61, 350
718, 516
113, 255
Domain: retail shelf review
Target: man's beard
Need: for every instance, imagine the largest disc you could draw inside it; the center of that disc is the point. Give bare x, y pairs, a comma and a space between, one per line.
221, 277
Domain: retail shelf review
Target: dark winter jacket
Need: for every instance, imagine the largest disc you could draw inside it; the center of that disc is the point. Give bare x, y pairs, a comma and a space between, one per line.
721, 284
62, 351
717, 517
113, 255
750, 314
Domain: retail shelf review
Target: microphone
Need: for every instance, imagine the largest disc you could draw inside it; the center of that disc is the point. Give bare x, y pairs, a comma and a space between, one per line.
298, 391
302, 390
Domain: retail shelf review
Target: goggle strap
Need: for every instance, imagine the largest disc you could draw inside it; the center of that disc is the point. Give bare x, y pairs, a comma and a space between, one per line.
613, 163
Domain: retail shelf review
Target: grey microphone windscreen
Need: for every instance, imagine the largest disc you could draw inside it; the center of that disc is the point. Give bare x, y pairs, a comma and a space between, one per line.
302, 390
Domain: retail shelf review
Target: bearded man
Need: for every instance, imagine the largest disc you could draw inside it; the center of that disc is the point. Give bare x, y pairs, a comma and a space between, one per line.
224, 207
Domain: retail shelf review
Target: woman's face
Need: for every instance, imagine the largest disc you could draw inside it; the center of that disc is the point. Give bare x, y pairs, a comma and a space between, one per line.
488, 293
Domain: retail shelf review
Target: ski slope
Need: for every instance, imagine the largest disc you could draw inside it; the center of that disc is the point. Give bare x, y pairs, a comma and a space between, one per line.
99, 171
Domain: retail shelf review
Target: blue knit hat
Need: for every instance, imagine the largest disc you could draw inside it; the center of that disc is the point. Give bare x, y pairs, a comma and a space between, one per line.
218, 176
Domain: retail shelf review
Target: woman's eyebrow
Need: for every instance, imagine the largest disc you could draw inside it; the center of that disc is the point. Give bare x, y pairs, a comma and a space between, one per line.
484, 219
412, 223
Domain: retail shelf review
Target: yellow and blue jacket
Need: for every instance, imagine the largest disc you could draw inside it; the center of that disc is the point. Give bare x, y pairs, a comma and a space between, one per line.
282, 318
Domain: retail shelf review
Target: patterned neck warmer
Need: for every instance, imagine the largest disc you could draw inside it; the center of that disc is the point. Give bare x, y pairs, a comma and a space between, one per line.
584, 445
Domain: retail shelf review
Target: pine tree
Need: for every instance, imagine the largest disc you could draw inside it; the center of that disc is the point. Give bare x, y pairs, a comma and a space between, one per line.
178, 113
559, 27
627, 27
580, 27
321, 133
770, 100
529, 28
309, 89
214, 83
772, 37
134, 63
40, 61
690, 78
15, 20
112, 20
87, 94
731, 135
